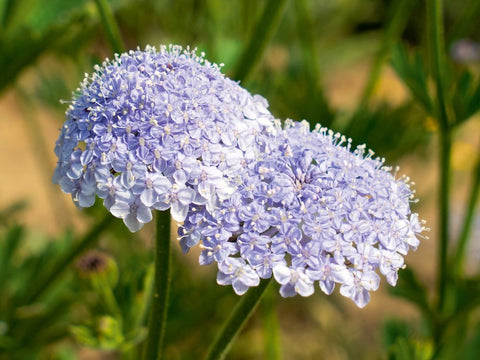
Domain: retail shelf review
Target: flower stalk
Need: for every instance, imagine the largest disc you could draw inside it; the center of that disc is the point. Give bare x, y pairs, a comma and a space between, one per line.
262, 33
397, 20
445, 170
242, 312
271, 330
111, 26
438, 66
158, 314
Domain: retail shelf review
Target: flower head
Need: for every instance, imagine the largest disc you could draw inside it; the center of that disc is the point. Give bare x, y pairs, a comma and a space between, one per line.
157, 130
309, 210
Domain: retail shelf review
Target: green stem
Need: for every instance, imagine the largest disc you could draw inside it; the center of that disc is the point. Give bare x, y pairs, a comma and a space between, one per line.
468, 17
468, 221
108, 299
5, 8
307, 32
147, 296
242, 311
110, 26
398, 17
262, 34
158, 312
437, 57
270, 325
87, 241
444, 188
438, 66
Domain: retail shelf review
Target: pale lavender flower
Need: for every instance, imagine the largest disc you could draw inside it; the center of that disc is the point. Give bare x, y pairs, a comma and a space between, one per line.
465, 51
236, 272
309, 210
157, 130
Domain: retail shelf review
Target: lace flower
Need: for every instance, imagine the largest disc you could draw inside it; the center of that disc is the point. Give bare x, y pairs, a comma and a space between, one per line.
309, 211
157, 130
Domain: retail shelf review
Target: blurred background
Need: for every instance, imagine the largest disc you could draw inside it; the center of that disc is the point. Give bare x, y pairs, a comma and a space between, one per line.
329, 62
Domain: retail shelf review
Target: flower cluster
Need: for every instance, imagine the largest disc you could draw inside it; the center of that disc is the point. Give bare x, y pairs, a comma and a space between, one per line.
157, 130
308, 210
166, 130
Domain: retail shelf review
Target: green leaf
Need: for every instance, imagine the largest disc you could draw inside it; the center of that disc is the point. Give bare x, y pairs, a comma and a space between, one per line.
412, 71
473, 104
470, 350
466, 97
394, 329
375, 126
466, 296
36, 27
39, 15
8, 246
46, 322
410, 349
104, 333
402, 343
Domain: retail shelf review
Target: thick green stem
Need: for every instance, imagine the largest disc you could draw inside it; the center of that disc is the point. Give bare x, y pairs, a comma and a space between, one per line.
468, 221
158, 312
242, 311
110, 26
438, 66
271, 331
262, 33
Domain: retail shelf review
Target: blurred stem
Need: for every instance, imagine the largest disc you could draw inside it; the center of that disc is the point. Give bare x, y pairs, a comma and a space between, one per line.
445, 169
5, 7
437, 57
158, 312
44, 282
397, 20
108, 298
270, 326
438, 66
239, 316
148, 284
310, 58
468, 17
262, 34
467, 225
110, 25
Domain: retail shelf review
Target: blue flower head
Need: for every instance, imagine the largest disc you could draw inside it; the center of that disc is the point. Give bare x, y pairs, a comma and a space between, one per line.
157, 130
309, 211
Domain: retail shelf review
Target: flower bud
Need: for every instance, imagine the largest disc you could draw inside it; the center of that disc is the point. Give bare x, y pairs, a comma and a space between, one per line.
97, 267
